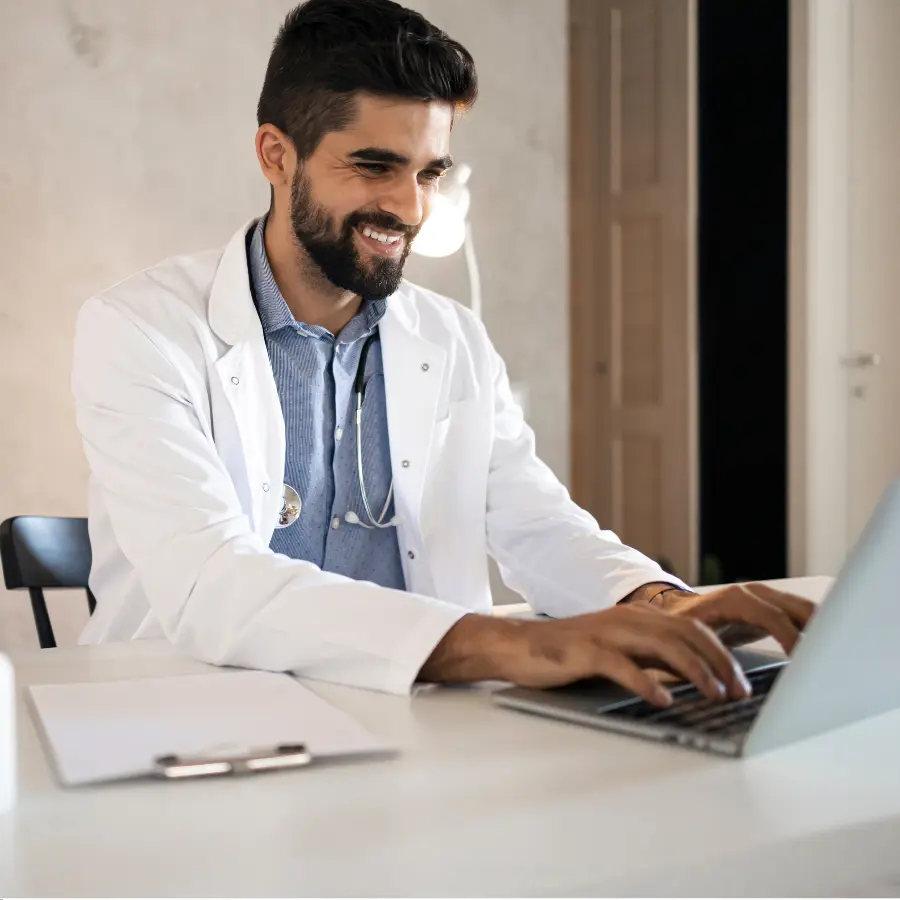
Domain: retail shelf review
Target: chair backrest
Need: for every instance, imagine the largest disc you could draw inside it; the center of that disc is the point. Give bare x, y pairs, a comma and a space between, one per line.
41, 552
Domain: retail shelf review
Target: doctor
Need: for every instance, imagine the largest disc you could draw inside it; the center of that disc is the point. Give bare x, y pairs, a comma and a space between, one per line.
301, 462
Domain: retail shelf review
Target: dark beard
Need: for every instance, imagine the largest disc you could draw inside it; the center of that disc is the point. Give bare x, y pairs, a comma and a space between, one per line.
336, 255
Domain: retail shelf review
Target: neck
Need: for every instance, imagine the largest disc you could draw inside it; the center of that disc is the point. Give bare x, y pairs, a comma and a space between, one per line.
309, 295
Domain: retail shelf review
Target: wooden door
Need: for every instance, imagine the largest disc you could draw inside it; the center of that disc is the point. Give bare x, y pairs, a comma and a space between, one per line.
633, 306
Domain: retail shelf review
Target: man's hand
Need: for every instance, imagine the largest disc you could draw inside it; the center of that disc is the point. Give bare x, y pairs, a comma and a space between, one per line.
651, 630
741, 613
621, 644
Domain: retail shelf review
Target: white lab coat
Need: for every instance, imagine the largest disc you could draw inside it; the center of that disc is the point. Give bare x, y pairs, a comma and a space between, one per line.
184, 435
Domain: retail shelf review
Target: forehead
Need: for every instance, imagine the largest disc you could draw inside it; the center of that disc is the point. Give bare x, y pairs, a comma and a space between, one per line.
416, 129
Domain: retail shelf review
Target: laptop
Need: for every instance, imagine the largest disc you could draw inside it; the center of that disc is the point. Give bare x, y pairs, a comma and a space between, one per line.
845, 667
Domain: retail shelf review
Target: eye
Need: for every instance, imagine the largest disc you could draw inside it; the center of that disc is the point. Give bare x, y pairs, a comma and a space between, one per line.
432, 176
373, 168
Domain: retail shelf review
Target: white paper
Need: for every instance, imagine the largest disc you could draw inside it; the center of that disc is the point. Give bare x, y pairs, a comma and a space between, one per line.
116, 729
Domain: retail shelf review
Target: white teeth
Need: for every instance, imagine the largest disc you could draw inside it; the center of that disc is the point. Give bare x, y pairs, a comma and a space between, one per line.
380, 236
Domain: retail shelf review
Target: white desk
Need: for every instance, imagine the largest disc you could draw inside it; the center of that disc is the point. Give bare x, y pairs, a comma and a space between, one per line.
482, 802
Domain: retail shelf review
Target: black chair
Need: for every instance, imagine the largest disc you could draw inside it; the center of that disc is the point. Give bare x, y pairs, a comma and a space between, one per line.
40, 552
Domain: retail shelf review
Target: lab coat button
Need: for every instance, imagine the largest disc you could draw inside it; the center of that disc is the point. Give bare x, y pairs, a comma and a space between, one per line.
425, 367
410, 554
405, 464
266, 486
235, 380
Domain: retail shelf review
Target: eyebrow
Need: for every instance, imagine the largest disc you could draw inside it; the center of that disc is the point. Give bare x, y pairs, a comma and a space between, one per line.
383, 155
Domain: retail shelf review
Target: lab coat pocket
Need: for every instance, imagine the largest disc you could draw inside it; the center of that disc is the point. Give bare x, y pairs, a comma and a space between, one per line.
446, 429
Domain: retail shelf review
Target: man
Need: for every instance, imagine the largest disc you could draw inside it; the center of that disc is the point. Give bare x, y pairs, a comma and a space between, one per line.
300, 462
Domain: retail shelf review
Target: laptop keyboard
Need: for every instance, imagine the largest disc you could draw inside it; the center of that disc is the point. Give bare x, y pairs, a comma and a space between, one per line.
691, 710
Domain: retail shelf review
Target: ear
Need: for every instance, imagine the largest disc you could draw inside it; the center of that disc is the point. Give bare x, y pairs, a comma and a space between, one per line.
277, 156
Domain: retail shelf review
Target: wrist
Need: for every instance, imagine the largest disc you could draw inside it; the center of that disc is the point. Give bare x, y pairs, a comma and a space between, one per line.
661, 595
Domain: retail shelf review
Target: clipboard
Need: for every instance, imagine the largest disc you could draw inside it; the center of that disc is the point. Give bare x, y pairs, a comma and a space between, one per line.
224, 723
289, 756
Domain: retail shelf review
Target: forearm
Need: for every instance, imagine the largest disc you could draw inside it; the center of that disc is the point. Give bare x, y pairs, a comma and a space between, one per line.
476, 648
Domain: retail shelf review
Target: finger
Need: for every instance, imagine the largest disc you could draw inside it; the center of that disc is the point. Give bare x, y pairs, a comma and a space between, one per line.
749, 609
666, 643
798, 608
619, 668
708, 644
737, 634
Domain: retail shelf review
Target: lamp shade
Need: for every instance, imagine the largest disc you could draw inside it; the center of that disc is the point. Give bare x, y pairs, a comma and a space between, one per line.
444, 231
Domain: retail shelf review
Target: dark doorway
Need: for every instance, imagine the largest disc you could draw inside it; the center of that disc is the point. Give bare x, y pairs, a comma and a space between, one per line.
742, 284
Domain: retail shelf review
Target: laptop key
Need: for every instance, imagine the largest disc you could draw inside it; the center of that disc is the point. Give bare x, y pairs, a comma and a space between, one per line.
691, 709
739, 718
646, 712
719, 710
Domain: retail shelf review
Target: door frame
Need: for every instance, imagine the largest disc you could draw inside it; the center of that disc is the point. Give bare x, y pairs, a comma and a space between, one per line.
818, 292
818, 284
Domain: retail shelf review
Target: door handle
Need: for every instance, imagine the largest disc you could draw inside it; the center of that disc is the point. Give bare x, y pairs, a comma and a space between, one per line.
864, 360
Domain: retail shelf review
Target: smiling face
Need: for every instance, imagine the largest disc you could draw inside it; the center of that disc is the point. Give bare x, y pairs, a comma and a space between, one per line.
360, 198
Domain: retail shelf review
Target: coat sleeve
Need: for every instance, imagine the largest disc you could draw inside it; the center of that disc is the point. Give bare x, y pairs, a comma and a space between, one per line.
215, 587
547, 548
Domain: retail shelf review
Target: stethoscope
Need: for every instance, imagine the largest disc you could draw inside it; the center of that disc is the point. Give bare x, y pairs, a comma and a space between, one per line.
291, 503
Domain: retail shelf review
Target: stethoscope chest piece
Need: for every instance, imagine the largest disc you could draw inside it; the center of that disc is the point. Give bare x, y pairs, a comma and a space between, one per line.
290, 507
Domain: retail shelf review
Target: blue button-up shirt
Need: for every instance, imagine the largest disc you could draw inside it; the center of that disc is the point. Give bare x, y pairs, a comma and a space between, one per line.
314, 373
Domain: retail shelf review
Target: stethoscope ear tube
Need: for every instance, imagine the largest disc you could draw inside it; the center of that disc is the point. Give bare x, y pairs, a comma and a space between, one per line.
360, 392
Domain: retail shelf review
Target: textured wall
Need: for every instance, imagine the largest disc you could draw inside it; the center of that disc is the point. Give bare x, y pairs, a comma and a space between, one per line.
127, 134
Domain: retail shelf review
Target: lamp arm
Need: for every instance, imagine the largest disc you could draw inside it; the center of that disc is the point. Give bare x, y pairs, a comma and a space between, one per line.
474, 277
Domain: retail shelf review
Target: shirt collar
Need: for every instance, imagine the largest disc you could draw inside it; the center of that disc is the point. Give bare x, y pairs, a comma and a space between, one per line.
274, 313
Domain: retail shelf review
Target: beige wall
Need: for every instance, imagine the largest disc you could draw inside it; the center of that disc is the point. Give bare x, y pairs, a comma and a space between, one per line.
126, 134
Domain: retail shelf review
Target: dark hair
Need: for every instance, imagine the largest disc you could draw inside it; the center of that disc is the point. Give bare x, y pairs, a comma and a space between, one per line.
328, 50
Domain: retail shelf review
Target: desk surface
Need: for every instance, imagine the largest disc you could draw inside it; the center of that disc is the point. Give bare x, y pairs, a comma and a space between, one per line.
483, 801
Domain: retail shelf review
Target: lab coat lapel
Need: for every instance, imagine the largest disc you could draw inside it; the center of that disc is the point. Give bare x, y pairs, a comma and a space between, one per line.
245, 376
413, 375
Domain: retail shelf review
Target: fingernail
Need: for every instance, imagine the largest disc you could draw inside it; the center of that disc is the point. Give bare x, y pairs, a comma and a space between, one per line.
721, 690
745, 684
661, 697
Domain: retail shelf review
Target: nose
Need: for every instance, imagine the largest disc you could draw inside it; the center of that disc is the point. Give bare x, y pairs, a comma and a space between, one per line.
404, 200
